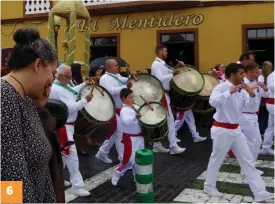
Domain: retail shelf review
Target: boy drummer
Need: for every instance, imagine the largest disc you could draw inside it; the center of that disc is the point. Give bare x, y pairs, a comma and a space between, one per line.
132, 137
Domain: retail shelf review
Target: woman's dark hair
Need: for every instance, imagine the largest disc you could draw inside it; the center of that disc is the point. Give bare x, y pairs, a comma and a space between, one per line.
94, 70
76, 73
125, 92
232, 68
28, 48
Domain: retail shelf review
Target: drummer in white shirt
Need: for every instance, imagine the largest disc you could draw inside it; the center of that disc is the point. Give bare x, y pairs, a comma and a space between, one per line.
164, 74
114, 83
249, 118
229, 99
63, 92
132, 135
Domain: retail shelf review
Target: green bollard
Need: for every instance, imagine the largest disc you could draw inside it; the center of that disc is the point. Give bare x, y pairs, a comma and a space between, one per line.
144, 176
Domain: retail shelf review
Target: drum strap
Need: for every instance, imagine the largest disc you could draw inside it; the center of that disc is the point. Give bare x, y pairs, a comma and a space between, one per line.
66, 87
116, 78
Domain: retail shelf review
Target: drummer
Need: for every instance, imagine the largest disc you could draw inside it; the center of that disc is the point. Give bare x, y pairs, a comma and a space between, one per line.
114, 83
61, 91
188, 117
164, 74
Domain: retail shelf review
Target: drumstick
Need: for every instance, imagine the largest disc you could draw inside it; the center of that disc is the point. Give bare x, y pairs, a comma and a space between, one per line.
135, 78
147, 103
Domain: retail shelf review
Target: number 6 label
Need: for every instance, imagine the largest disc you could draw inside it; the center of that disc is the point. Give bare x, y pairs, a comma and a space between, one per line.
11, 192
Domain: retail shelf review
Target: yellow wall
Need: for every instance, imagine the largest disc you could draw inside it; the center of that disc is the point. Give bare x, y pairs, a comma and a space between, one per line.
219, 37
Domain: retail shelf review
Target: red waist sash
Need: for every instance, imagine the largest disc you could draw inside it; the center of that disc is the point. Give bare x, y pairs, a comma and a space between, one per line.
270, 101
113, 125
63, 139
226, 125
164, 100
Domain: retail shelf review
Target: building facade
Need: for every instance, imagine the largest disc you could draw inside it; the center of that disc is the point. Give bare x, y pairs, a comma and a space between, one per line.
201, 33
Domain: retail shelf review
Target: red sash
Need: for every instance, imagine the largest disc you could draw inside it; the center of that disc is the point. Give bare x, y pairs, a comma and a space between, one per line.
164, 100
270, 101
226, 125
126, 140
113, 125
180, 115
63, 139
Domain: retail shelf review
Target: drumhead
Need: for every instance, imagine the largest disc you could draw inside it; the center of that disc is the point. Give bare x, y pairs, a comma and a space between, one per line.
149, 117
189, 80
101, 108
210, 83
147, 86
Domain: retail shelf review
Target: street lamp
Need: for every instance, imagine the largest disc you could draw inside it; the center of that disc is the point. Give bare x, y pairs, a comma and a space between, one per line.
57, 20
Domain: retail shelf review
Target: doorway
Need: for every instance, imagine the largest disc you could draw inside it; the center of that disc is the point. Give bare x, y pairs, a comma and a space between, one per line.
181, 44
260, 40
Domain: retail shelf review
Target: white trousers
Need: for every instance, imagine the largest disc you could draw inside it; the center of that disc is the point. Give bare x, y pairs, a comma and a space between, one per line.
188, 117
72, 161
269, 132
129, 156
250, 127
171, 127
114, 139
223, 140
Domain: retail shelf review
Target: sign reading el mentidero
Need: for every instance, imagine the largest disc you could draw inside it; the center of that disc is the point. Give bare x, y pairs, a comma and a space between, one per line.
122, 23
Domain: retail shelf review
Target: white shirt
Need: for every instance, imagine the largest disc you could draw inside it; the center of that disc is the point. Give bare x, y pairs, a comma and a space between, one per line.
129, 122
259, 92
113, 86
59, 93
261, 78
162, 72
229, 107
270, 84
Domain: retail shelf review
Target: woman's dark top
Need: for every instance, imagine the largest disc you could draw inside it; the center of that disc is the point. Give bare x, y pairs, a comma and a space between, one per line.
55, 165
25, 149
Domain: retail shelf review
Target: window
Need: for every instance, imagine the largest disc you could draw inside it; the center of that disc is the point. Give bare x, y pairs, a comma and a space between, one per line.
181, 45
37, 7
260, 33
103, 46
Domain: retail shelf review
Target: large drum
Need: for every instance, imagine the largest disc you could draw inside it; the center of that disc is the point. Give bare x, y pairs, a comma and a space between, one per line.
154, 122
202, 103
185, 88
147, 86
96, 113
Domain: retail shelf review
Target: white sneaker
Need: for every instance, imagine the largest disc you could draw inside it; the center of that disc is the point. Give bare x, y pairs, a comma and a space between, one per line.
177, 150
264, 197
115, 179
66, 183
199, 139
212, 192
267, 152
82, 192
160, 149
103, 158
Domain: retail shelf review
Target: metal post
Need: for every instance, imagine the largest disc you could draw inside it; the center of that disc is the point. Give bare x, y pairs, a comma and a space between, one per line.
144, 176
